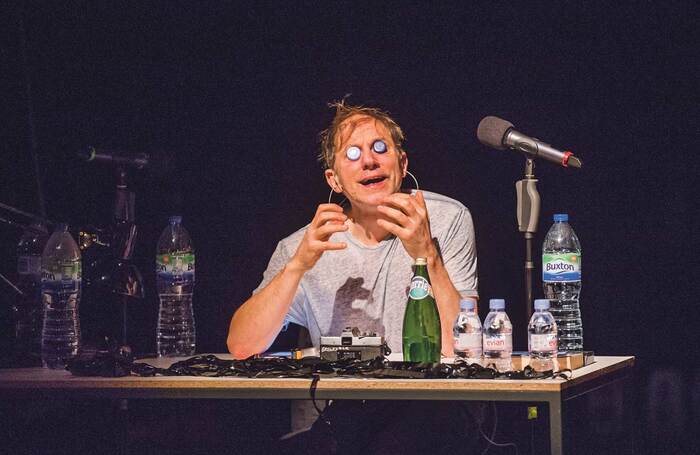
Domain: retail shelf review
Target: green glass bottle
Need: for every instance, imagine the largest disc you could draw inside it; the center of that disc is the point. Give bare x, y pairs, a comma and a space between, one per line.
421, 322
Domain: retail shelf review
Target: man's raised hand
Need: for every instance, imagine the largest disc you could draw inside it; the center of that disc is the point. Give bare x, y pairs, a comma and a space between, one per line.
329, 219
406, 217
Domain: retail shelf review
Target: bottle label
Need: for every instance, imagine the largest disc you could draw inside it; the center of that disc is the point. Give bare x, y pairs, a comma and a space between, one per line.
175, 267
420, 288
29, 265
468, 341
62, 271
543, 342
61, 278
561, 267
498, 342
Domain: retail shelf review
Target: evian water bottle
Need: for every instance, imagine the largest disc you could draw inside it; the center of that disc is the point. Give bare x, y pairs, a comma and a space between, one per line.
561, 276
498, 337
467, 333
542, 338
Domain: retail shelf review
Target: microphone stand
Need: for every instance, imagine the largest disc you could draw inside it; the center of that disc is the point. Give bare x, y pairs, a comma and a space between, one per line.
528, 212
127, 281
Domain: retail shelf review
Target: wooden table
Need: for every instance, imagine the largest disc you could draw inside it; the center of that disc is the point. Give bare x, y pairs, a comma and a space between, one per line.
38, 382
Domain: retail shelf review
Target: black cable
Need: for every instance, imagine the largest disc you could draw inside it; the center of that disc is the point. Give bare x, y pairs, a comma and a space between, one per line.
30, 118
310, 367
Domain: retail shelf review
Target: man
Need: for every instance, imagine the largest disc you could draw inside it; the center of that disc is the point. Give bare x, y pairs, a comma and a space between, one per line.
351, 266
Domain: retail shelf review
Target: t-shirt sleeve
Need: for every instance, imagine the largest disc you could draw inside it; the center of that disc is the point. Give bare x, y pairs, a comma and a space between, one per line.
279, 259
458, 251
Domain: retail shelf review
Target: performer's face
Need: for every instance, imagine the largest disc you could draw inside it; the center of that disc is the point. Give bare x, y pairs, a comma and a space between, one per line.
366, 175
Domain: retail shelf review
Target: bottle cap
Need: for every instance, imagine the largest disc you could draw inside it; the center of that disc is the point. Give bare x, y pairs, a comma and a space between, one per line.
564, 217
421, 261
177, 219
467, 304
542, 304
61, 227
497, 304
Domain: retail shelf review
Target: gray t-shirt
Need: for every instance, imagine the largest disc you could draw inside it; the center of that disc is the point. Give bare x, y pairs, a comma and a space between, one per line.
367, 286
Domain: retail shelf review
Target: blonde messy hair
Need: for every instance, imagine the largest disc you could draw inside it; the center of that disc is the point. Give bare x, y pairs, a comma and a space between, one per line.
330, 137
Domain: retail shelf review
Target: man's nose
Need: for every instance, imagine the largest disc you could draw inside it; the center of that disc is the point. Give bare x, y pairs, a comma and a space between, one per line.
368, 159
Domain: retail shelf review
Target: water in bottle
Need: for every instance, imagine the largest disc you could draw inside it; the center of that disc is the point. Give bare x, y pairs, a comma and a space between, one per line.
28, 309
175, 333
542, 338
561, 275
421, 322
498, 337
467, 333
61, 275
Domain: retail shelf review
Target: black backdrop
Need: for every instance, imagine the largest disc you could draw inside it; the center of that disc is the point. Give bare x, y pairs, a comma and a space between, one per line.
233, 96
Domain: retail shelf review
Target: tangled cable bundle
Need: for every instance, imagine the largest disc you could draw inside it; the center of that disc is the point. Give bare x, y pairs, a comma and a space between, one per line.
117, 363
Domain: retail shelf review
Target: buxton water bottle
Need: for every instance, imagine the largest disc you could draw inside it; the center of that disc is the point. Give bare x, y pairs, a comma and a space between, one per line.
561, 276
61, 276
175, 333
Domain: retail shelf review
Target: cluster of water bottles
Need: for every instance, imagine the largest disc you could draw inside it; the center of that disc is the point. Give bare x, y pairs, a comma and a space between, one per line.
556, 323
47, 322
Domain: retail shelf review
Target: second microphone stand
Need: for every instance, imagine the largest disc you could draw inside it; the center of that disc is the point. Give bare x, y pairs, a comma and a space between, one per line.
528, 212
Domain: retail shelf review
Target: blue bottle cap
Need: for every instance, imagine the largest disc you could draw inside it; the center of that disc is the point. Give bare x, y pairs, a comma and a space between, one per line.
564, 217
177, 219
497, 304
467, 304
61, 227
379, 146
542, 304
353, 153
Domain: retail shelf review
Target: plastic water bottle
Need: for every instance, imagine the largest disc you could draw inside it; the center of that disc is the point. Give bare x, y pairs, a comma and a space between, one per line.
498, 337
28, 310
467, 333
175, 334
61, 274
561, 274
542, 338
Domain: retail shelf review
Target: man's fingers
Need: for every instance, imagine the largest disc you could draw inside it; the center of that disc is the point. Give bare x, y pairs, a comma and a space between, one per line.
327, 230
396, 215
395, 229
332, 246
325, 217
328, 208
420, 198
401, 201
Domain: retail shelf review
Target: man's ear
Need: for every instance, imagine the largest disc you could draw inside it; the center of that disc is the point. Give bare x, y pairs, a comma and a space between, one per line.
332, 181
404, 163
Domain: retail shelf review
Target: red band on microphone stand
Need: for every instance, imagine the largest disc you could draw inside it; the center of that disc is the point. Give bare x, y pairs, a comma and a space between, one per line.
565, 160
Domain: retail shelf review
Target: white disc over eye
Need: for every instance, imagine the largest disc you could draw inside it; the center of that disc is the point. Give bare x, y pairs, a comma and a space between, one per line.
353, 153
379, 146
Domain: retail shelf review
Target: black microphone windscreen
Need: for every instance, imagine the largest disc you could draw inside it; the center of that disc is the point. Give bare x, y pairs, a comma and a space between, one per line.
491, 131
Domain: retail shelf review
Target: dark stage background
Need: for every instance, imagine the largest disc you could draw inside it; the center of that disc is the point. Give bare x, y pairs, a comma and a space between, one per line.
232, 96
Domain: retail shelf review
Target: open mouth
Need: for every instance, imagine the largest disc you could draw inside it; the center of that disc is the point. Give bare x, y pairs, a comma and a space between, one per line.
372, 181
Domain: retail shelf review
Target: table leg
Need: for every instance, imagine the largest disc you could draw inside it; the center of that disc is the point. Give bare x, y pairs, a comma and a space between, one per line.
555, 426
123, 425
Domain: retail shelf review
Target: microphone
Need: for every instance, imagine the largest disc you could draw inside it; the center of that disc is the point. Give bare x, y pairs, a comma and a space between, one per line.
499, 134
114, 157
